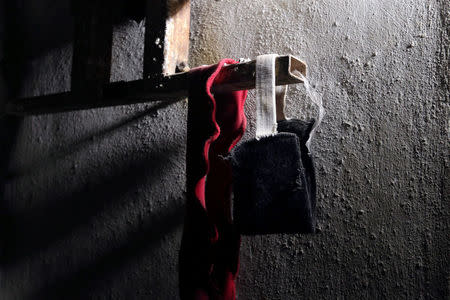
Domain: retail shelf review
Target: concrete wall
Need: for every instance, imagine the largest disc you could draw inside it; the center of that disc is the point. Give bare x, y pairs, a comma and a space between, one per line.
92, 201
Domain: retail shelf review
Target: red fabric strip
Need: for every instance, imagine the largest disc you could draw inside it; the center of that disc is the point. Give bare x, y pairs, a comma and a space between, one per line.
209, 252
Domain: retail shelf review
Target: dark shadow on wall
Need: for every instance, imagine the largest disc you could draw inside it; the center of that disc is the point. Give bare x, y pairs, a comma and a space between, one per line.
12, 69
9, 127
82, 143
36, 229
80, 284
33, 28
36, 27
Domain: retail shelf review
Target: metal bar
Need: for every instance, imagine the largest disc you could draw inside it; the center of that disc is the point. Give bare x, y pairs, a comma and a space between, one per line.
232, 78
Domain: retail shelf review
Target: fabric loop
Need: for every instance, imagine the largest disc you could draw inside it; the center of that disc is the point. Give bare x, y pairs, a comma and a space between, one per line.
266, 121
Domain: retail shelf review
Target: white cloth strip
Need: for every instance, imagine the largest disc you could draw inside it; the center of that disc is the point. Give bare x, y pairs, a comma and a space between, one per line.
266, 119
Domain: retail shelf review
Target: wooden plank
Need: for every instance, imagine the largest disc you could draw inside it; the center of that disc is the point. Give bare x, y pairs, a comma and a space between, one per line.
171, 87
166, 36
168, 88
176, 44
242, 76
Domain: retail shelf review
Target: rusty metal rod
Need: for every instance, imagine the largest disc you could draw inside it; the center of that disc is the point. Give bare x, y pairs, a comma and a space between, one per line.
234, 77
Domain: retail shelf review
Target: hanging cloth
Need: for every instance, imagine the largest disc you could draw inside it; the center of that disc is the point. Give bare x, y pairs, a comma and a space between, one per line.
209, 254
273, 189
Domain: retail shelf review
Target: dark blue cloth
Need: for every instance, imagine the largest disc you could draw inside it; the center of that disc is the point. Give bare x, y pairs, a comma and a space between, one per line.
274, 183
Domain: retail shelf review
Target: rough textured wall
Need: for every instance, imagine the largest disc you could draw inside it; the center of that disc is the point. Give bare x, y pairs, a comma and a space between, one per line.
92, 201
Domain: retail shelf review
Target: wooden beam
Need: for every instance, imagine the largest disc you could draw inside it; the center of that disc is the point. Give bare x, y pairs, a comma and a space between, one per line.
232, 78
242, 76
176, 55
166, 37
